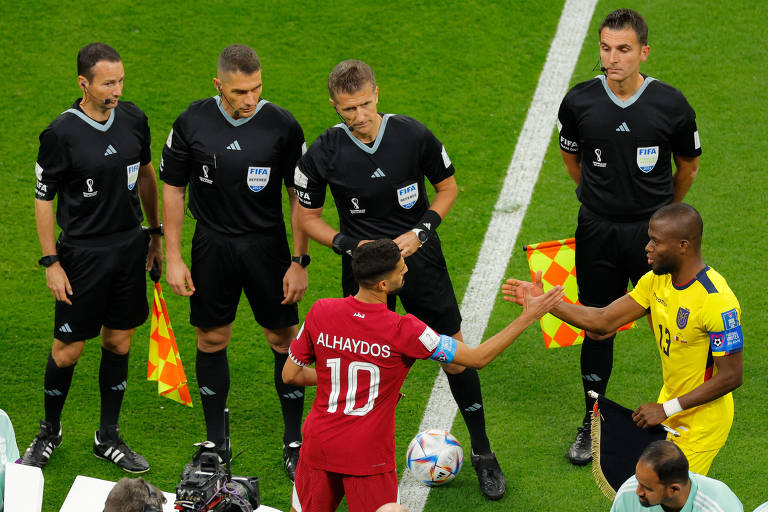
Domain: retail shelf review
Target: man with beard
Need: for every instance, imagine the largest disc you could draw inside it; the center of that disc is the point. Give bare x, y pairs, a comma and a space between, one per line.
697, 323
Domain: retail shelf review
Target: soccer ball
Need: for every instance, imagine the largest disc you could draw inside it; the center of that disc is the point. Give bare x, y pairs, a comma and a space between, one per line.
434, 457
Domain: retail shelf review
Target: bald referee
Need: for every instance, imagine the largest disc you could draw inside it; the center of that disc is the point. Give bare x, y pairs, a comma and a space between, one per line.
376, 166
236, 151
619, 134
96, 158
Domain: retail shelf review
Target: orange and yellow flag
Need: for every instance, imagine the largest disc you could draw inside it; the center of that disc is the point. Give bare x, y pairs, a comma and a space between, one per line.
557, 262
164, 362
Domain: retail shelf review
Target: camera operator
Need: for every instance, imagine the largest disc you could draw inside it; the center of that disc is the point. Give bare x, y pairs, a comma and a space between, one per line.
134, 495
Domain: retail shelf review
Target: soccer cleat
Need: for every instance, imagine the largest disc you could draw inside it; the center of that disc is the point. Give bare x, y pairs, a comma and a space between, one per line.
492, 482
120, 453
580, 452
291, 458
42, 446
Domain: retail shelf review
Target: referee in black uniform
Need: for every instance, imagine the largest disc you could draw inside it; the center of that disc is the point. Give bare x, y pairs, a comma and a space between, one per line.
375, 165
619, 133
235, 151
96, 158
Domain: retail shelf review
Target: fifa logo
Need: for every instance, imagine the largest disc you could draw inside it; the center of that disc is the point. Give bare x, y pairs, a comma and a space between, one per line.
89, 185
598, 153
204, 178
205, 171
355, 203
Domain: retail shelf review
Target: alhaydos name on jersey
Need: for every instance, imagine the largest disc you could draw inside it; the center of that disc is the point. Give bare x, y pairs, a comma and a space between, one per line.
359, 347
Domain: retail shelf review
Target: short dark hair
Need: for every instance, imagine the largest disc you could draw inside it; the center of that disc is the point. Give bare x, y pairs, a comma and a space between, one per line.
626, 18
131, 494
239, 58
349, 76
667, 461
687, 221
92, 53
372, 261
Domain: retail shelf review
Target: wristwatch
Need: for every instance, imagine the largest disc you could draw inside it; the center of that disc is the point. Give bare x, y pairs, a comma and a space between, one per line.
47, 261
304, 260
421, 235
156, 231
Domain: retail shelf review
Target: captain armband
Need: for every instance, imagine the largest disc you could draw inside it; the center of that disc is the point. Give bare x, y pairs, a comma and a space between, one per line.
445, 350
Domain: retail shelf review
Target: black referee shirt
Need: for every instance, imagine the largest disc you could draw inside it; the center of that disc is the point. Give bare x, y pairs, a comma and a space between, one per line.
93, 167
626, 147
378, 189
235, 168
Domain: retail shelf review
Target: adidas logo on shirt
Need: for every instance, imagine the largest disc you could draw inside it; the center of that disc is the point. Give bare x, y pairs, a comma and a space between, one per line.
110, 151
623, 127
65, 328
378, 173
235, 146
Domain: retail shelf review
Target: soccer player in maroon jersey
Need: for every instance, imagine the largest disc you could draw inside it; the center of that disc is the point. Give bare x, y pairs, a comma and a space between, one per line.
362, 352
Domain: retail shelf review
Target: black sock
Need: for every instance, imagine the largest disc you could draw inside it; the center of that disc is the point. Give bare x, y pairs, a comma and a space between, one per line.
213, 380
56, 386
113, 376
465, 387
596, 366
291, 401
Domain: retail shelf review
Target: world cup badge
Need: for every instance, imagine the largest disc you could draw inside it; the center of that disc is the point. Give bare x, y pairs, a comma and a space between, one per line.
257, 178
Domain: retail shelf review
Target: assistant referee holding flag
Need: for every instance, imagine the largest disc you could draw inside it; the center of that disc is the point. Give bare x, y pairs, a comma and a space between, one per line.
618, 135
235, 151
375, 165
96, 158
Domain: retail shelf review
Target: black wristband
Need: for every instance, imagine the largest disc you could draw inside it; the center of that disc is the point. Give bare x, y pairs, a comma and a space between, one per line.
156, 231
344, 244
429, 222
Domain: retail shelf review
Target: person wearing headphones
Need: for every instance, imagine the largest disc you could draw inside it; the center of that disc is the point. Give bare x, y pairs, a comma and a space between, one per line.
96, 158
235, 152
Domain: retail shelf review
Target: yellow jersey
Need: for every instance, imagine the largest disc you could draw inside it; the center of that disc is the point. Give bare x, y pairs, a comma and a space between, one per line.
693, 323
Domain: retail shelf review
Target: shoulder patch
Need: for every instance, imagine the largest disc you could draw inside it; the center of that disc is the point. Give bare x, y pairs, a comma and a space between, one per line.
429, 339
730, 319
299, 178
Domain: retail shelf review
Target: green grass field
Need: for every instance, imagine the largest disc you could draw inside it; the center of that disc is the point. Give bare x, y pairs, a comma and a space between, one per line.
468, 71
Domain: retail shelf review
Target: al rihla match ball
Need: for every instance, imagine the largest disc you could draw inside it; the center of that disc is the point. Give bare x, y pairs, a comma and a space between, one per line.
434, 457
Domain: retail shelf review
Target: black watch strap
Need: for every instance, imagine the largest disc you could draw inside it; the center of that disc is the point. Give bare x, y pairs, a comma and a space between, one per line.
47, 261
156, 231
304, 260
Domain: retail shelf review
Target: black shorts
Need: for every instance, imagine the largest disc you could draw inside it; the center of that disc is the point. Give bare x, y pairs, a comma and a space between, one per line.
109, 286
608, 255
427, 292
224, 266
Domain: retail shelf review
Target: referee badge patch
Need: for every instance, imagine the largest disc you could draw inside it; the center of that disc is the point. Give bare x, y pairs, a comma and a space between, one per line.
133, 174
647, 158
682, 317
408, 195
257, 178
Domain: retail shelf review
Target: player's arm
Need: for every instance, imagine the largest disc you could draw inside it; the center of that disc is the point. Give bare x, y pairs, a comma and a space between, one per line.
728, 378
533, 309
572, 163
295, 280
177, 274
311, 221
446, 192
55, 277
298, 375
686, 169
148, 195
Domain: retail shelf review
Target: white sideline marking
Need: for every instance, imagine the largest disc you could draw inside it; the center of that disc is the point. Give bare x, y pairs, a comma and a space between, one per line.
501, 235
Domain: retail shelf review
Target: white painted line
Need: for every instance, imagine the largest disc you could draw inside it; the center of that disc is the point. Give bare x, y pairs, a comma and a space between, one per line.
500, 238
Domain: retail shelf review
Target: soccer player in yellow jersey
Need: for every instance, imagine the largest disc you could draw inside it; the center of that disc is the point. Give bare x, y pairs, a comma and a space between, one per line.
697, 327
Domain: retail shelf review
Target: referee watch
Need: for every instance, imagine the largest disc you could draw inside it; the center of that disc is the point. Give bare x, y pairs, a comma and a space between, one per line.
156, 231
304, 260
47, 261
420, 234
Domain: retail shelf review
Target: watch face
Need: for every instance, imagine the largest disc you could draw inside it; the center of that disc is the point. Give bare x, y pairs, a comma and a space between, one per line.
422, 236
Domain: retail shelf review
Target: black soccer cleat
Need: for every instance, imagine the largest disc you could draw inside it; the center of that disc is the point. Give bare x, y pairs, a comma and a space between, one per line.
492, 482
120, 453
42, 446
291, 458
580, 452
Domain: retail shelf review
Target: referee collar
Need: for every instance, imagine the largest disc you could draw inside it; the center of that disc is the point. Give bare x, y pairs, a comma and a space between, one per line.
242, 120
370, 150
630, 101
95, 124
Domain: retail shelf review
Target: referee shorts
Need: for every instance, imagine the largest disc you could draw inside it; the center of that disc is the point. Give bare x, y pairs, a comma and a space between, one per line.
223, 266
427, 292
109, 286
608, 255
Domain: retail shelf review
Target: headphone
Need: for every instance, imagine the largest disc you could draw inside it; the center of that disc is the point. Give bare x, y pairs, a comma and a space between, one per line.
235, 111
107, 101
154, 496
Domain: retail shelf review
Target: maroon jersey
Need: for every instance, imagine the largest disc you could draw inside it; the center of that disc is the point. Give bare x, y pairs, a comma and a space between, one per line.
362, 353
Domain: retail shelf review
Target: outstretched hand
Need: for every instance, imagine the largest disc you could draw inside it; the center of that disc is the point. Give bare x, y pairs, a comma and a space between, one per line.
537, 305
514, 290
